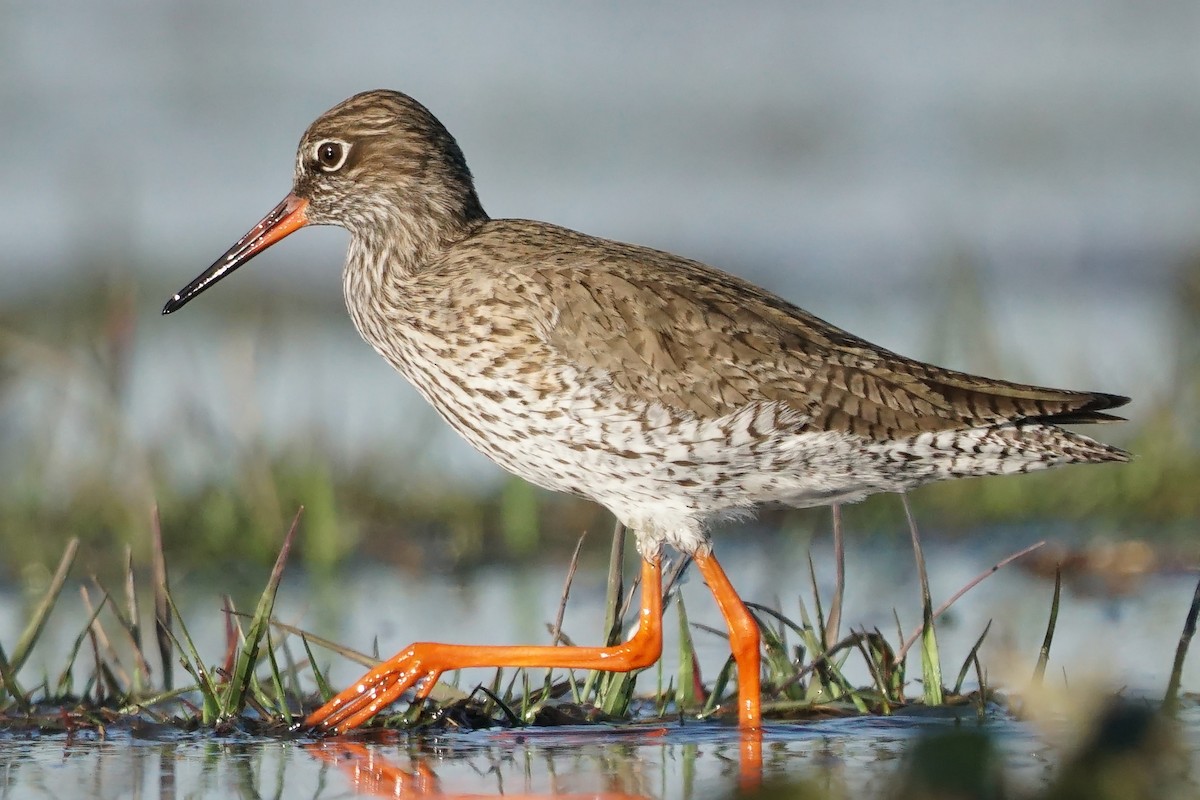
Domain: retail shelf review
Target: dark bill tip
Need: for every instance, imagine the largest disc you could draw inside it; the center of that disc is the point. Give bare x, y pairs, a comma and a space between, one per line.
174, 304
285, 218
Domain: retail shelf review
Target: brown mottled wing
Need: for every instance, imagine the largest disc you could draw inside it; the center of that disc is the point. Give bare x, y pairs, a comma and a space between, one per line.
678, 332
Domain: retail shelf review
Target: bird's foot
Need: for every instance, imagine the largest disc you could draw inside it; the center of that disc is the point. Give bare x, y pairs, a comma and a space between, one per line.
375, 691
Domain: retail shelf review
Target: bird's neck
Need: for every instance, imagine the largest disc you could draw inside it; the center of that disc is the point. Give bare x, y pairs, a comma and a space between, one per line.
404, 245
382, 259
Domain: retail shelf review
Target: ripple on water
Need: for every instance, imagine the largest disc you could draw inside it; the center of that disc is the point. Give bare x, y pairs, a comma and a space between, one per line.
857, 755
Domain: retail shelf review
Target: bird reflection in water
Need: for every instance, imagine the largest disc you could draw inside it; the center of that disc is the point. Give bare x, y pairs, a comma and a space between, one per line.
371, 771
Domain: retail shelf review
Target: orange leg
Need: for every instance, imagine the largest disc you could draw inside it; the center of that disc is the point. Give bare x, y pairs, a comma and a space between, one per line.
421, 664
743, 639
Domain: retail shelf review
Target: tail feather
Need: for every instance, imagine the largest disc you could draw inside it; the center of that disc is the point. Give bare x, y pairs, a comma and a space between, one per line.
990, 400
1067, 447
1088, 413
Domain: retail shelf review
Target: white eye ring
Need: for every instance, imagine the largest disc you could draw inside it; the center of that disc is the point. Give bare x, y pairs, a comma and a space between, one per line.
330, 154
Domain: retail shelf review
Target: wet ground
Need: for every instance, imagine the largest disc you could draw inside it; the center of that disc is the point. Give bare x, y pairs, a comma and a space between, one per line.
1105, 642
849, 757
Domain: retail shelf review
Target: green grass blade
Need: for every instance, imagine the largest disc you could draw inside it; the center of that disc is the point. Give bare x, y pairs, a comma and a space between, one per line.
162, 603
281, 705
326, 691
874, 666
494, 700
613, 592
616, 688
348, 653
718, 690
1039, 669
881, 659
1171, 700
780, 669
931, 665
145, 703
972, 657
528, 705
572, 568
797, 628
556, 631
981, 679
132, 622
899, 665
971, 584
37, 622
822, 626
812, 643
64, 678
612, 603
687, 698
234, 698
833, 622
123, 684
617, 693
193, 664
8, 683
291, 670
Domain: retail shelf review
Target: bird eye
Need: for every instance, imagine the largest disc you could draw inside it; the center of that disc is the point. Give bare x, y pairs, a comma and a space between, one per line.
331, 155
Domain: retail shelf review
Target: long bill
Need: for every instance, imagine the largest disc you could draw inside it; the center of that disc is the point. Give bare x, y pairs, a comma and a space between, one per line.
287, 217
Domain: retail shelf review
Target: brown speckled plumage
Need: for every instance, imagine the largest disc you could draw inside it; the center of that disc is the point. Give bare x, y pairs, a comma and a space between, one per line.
671, 392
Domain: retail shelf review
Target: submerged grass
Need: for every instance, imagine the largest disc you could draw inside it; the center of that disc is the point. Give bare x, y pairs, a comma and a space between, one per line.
218, 697
267, 678
258, 683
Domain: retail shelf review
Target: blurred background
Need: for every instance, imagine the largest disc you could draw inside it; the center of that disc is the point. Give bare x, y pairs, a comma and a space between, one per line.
1010, 189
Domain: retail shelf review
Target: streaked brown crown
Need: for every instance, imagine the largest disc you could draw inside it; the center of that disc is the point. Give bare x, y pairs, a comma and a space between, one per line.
401, 169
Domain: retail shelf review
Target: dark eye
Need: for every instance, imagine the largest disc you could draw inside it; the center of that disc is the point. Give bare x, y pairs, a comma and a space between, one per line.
331, 155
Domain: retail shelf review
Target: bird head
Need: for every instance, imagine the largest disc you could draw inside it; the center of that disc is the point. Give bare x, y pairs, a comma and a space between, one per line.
378, 164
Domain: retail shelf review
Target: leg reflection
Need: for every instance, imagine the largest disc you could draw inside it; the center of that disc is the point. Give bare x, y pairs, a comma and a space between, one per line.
372, 769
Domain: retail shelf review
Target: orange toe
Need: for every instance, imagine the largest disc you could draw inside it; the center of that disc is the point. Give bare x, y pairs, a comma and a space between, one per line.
421, 664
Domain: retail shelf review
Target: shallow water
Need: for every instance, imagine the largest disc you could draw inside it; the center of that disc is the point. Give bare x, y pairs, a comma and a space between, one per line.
1103, 642
672, 762
858, 757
